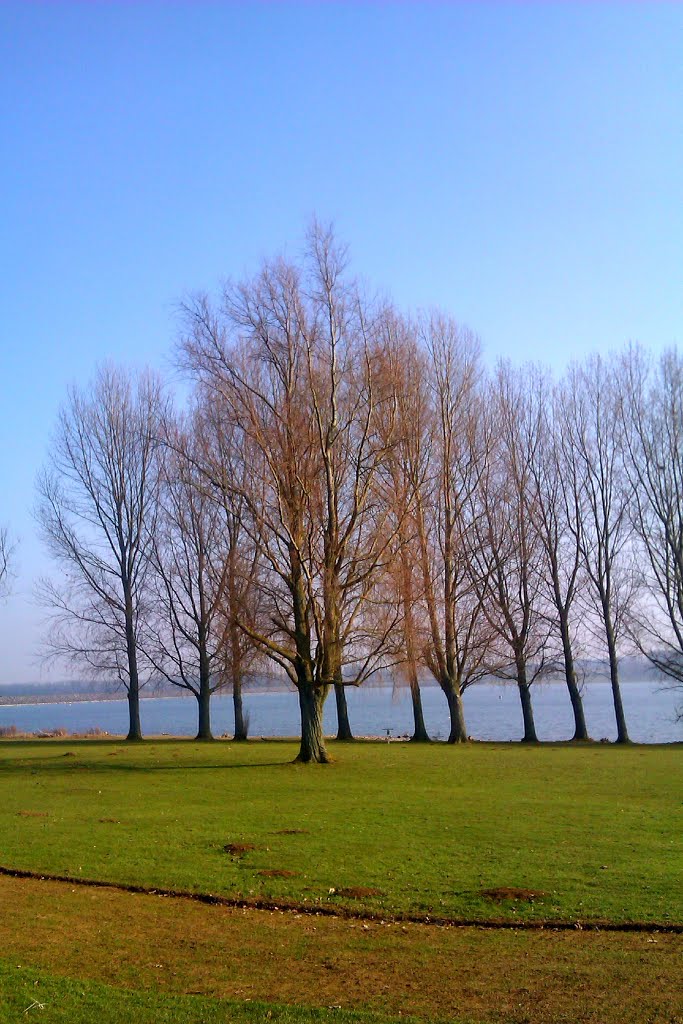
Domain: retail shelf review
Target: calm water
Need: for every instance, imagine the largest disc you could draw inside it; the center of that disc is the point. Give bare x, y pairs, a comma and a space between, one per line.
492, 713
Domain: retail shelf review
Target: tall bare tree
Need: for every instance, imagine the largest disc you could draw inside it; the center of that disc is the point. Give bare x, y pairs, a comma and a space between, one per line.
406, 466
593, 427
652, 407
558, 512
457, 448
339, 336
507, 548
291, 355
226, 464
97, 508
184, 630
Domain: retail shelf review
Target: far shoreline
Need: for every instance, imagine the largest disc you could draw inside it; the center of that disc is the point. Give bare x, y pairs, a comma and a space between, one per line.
38, 699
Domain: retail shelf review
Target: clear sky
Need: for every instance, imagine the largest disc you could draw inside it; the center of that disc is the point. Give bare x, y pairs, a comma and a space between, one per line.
520, 165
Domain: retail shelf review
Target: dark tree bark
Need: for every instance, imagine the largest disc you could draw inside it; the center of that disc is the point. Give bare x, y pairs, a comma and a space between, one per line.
134, 730
204, 699
458, 732
527, 708
240, 721
580, 730
420, 734
622, 731
344, 732
204, 708
311, 702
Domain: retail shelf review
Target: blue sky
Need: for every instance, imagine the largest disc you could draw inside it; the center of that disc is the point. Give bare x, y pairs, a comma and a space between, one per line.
520, 165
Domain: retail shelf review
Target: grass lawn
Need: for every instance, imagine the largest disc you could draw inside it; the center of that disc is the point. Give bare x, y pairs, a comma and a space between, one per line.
593, 831
596, 831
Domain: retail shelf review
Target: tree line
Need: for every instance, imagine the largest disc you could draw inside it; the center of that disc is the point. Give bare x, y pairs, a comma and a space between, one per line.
349, 491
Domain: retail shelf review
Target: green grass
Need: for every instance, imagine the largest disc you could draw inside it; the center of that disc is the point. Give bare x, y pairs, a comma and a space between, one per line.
596, 829
26, 994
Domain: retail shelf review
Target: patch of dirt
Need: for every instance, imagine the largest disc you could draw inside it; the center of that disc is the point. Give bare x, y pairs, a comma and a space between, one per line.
69, 753
277, 873
112, 821
357, 892
237, 849
32, 814
291, 832
511, 892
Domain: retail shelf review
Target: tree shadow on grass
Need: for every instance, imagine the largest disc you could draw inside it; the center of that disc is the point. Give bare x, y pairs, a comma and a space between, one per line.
58, 766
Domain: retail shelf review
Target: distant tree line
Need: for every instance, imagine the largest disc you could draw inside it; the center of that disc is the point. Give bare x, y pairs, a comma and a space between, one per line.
350, 491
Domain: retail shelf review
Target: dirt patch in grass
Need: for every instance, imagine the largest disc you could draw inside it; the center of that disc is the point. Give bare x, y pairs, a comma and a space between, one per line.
238, 849
32, 814
492, 977
291, 832
277, 873
511, 892
357, 892
109, 821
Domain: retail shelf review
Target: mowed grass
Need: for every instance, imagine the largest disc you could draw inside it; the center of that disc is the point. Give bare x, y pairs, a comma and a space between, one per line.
594, 830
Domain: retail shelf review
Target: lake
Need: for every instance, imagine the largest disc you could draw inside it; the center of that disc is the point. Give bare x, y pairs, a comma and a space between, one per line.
492, 713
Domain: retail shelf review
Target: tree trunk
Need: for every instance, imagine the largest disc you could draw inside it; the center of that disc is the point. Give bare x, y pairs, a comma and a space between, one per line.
204, 705
527, 710
622, 731
458, 733
343, 724
311, 701
204, 696
420, 734
134, 730
240, 723
580, 730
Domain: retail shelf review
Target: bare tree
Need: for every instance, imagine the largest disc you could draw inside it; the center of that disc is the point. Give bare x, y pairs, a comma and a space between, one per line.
593, 427
406, 466
434, 465
260, 378
227, 466
508, 550
291, 355
652, 408
7, 549
557, 508
460, 637
97, 507
184, 631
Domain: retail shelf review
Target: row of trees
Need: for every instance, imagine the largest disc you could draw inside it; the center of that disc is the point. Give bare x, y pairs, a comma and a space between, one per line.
350, 492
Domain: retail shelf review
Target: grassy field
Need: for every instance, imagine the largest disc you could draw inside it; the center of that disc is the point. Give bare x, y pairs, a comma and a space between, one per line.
591, 833
595, 830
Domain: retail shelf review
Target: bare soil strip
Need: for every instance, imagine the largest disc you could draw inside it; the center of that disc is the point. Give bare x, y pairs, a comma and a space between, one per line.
352, 913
